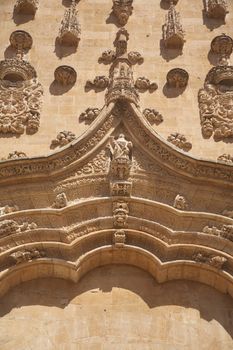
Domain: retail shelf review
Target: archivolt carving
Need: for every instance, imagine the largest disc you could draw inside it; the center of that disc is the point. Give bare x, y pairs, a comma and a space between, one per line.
8, 227
16, 155
179, 141
153, 116
226, 231
180, 203
119, 238
120, 214
27, 255
8, 209
122, 9
216, 8
62, 139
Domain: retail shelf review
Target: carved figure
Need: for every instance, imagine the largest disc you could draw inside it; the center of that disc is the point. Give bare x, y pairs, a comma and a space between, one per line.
89, 115
119, 238
26, 7
179, 141
62, 139
153, 116
120, 214
122, 9
65, 75
180, 203
121, 156
173, 34
27, 255
216, 8
121, 188
60, 201
70, 31
177, 78
8, 227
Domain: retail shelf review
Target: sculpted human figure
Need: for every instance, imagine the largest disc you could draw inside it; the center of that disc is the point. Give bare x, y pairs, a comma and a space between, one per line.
120, 148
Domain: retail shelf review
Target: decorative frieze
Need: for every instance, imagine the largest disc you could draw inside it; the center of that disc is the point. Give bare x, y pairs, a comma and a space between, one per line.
179, 141
27, 255
65, 75
15, 155
60, 201
70, 31
173, 33
177, 78
214, 260
122, 9
62, 139
216, 8
119, 239
8, 227
121, 157
26, 7
120, 214
89, 115
226, 158
144, 84
153, 116
180, 203
8, 209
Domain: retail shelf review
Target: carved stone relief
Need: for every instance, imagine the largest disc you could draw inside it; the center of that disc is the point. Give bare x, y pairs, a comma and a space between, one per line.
62, 139
20, 92
177, 78
8, 227
89, 115
15, 155
26, 7
70, 31
173, 33
215, 260
60, 201
65, 75
180, 141
153, 116
122, 9
216, 8
226, 158
120, 214
8, 209
27, 255
180, 203
144, 84
119, 238
226, 231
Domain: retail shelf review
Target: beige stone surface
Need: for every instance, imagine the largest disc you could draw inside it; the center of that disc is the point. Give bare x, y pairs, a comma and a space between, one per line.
115, 307
61, 110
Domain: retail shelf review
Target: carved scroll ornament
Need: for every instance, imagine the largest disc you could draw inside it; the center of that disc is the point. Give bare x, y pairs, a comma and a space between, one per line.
177, 78
65, 75
62, 139
179, 141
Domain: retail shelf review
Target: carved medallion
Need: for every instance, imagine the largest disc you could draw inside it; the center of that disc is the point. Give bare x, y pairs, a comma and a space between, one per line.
177, 78
122, 9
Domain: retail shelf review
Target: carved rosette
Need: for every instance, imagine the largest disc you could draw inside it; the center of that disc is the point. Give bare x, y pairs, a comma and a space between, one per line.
60, 201
177, 78
222, 46
216, 8
65, 75
89, 115
216, 103
179, 141
226, 158
153, 116
213, 260
119, 238
122, 9
26, 7
70, 31
27, 255
173, 33
62, 139
180, 203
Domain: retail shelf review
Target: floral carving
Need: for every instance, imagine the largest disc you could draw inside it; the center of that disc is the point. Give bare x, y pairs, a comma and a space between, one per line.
216, 8
226, 231
179, 141
119, 238
226, 158
121, 156
180, 203
70, 31
65, 75
173, 34
60, 201
144, 84
177, 78
120, 214
8, 227
122, 9
215, 260
100, 82
27, 255
26, 7
89, 115
153, 116
215, 103
62, 139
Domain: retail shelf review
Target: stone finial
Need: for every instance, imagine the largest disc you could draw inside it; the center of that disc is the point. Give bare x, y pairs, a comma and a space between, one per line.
179, 141
60, 201
226, 231
153, 116
89, 115
119, 239
122, 9
120, 214
65, 75
180, 203
62, 139
26, 7
177, 78
216, 8
69, 32
15, 155
173, 33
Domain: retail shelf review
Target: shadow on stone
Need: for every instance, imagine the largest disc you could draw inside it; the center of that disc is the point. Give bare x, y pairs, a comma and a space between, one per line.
172, 92
64, 51
169, 54
57, 89
212, 23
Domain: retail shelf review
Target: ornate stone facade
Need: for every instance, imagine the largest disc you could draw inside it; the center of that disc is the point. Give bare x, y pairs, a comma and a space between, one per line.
216, 8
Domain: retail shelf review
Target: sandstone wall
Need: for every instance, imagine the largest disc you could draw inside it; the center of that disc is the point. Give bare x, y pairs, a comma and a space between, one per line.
61, 110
